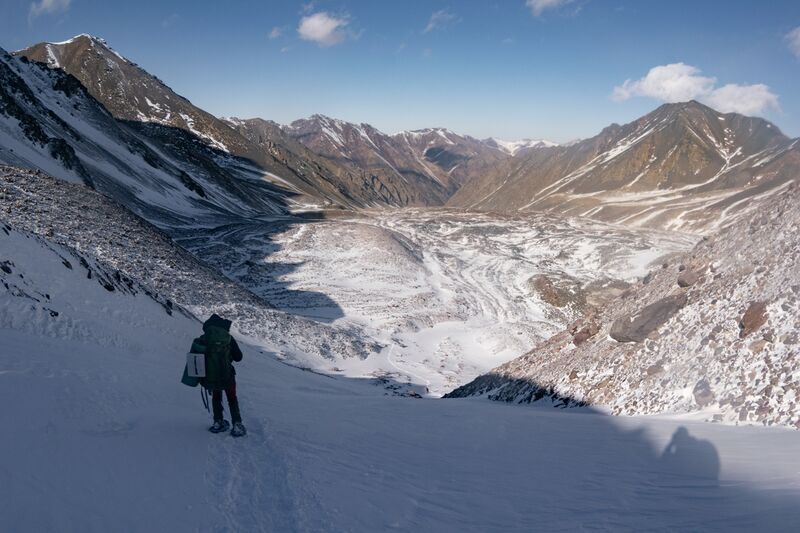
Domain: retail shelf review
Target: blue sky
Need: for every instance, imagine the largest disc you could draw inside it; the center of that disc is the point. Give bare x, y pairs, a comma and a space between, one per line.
552, 69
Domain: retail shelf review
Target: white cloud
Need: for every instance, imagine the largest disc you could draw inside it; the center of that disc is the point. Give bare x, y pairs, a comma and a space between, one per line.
678, 82
793, 41
671, 83
275, 33
540, 6
48, 7
440, 19
323, 29
744, 99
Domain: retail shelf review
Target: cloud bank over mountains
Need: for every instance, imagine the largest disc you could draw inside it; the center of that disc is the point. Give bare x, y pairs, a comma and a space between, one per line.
679, 82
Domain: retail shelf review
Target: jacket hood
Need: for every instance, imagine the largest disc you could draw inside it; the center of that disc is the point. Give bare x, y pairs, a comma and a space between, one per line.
216, 321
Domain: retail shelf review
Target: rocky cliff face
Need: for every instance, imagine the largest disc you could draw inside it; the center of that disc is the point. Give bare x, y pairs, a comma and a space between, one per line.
715, 330
683, 166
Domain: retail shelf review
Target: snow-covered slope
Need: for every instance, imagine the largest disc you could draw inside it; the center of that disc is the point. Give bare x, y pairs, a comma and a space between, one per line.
89, 222
48, 121
99, 435
714, 331
46, 286
519, 146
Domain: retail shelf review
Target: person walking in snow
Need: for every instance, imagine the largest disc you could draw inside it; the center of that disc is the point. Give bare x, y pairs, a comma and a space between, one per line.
220, 350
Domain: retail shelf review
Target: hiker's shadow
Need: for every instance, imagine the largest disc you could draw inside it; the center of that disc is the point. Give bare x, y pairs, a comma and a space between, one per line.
690, 457
626, 478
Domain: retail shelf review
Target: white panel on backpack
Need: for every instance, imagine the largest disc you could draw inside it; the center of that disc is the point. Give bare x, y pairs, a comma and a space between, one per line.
196, 365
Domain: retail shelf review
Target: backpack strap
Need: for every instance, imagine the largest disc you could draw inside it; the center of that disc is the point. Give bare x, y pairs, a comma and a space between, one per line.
204, 397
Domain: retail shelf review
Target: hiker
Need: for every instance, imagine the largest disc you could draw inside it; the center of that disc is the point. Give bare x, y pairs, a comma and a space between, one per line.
220, 350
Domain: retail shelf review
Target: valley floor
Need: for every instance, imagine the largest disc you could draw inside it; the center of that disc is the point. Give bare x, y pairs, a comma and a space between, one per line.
101, 436
449, 294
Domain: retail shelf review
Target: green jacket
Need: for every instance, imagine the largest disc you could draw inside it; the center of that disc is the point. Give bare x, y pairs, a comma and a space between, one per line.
217, 329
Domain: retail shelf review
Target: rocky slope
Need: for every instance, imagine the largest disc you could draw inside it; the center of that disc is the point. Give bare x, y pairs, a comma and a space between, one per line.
684, 167
130, 93
69, 215
715, 330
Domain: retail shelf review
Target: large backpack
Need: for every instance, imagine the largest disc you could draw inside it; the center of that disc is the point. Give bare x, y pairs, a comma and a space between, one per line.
219, 370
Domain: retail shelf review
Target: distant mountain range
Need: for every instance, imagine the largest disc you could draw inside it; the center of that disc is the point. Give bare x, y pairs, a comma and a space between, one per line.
684, 166
344, 165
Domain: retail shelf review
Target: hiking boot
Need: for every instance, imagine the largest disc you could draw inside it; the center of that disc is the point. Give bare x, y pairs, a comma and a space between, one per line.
238, 430
219, 426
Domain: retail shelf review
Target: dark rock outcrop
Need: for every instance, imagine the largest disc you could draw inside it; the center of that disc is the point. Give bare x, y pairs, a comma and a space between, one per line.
703, 395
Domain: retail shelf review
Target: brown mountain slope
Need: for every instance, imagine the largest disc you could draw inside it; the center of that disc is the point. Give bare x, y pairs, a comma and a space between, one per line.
683, 166
130, 93
363, 186
426, 166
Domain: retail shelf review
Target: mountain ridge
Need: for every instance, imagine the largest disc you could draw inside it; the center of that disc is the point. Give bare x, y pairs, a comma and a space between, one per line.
683, 166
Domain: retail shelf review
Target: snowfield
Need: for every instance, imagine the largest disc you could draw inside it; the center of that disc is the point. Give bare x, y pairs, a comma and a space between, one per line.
101, 436
449, 294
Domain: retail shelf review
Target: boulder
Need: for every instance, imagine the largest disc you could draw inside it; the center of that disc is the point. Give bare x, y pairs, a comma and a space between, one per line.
636, 328
703, 395
754, 317
688, 278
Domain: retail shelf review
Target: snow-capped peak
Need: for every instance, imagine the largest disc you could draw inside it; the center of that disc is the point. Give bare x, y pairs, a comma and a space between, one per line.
80, 35
93, 40
512, 147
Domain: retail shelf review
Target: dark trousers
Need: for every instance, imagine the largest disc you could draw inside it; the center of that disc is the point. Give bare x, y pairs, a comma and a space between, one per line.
233, 403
